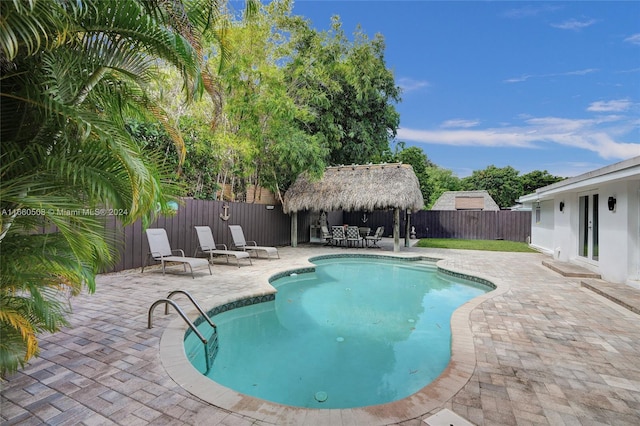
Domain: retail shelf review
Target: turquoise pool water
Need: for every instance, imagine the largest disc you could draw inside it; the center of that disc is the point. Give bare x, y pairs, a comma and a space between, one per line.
355, 332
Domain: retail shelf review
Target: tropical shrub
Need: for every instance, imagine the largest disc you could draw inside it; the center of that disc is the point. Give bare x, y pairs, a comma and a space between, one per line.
72, 73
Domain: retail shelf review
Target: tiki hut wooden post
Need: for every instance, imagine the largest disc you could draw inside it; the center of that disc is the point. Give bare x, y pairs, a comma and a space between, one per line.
357, 188
407, 230
396, 229
294, 229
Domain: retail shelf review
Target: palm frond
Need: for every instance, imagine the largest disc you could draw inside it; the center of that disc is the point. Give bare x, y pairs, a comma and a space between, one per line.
138, 31
72, 72
28, 27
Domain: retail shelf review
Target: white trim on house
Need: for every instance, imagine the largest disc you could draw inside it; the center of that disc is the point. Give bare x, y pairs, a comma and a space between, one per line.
573, 222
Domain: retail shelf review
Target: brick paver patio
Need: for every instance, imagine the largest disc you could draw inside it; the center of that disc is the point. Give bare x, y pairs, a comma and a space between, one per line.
547, 352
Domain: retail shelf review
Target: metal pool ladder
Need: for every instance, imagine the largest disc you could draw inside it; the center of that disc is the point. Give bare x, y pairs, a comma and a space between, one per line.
210, 345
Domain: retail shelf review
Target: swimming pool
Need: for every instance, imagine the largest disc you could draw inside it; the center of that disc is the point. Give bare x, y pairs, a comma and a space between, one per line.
356, 332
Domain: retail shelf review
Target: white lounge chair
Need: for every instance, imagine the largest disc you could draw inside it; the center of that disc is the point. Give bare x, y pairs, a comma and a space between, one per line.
251, 246
326, 235
208, 245
160, 251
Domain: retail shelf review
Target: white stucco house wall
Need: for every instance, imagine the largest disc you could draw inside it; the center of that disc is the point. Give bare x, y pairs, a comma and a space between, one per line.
592, 220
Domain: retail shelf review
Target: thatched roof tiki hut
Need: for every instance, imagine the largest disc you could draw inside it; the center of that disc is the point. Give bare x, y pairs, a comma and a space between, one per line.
359, 187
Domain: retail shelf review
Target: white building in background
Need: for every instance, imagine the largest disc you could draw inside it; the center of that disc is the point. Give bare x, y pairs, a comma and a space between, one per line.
592, 220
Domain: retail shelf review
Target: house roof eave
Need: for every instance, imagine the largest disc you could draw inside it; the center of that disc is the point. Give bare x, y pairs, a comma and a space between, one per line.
623, 170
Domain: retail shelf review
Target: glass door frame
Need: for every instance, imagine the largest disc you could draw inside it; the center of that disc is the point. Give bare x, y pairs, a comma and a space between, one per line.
588, 225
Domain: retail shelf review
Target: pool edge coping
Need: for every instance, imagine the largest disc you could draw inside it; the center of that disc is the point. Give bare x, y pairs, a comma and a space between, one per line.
458, 372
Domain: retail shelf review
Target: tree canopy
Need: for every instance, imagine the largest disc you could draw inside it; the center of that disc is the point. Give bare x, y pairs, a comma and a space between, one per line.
348, 88
505, 185
290, 99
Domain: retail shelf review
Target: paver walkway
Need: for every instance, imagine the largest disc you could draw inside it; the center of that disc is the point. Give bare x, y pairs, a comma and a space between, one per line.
548, 352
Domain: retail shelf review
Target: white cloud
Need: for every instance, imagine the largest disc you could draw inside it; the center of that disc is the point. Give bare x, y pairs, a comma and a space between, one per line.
410, 85
604, 135
578, 72
617, 105
458, 122
633, 39
574, 24
556, 74
487, 138
529, 11
518, 79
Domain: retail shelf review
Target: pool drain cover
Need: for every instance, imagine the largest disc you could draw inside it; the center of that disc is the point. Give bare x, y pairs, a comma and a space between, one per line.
321, 396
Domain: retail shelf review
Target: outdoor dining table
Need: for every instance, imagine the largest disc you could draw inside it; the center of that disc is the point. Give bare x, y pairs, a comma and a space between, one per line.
364, 231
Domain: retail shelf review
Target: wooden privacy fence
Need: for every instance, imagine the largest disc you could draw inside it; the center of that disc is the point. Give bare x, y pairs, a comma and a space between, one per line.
472, 225
267, 226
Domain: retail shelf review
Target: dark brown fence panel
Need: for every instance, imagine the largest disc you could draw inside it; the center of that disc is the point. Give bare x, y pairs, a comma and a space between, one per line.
373, 220
304, 227
270, 227
473, 225
335, 219
478, 225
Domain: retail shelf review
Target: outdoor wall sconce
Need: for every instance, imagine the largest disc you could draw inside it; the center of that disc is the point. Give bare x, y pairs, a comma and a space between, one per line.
269, 207
611, 203
561, 206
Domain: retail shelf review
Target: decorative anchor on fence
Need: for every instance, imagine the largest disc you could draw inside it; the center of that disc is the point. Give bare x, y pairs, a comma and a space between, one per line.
364, 218
226, 214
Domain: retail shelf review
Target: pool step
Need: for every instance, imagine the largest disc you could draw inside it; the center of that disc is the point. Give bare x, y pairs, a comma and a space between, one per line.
570, 270
624, 295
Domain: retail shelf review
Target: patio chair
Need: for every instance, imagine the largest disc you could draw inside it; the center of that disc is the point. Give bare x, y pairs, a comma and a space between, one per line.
337, 236
353, 236
207, 245
251, 246
373, 239
326, 235
160, 251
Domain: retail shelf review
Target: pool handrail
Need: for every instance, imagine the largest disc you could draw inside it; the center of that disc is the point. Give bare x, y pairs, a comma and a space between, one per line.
197, 306
180, 312
210, 347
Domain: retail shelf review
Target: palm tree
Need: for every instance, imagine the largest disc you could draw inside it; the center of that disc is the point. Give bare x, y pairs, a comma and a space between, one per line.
72, 73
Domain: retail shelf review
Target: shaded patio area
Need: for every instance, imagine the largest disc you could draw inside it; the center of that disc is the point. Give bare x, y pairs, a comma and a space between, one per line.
547, 351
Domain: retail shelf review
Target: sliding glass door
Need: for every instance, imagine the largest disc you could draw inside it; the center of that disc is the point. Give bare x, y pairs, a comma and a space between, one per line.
588, 235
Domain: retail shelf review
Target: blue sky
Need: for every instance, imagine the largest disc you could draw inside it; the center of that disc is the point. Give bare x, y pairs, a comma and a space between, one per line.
534, 85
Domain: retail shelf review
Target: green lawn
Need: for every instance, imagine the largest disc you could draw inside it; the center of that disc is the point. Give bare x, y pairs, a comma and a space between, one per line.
488, 245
